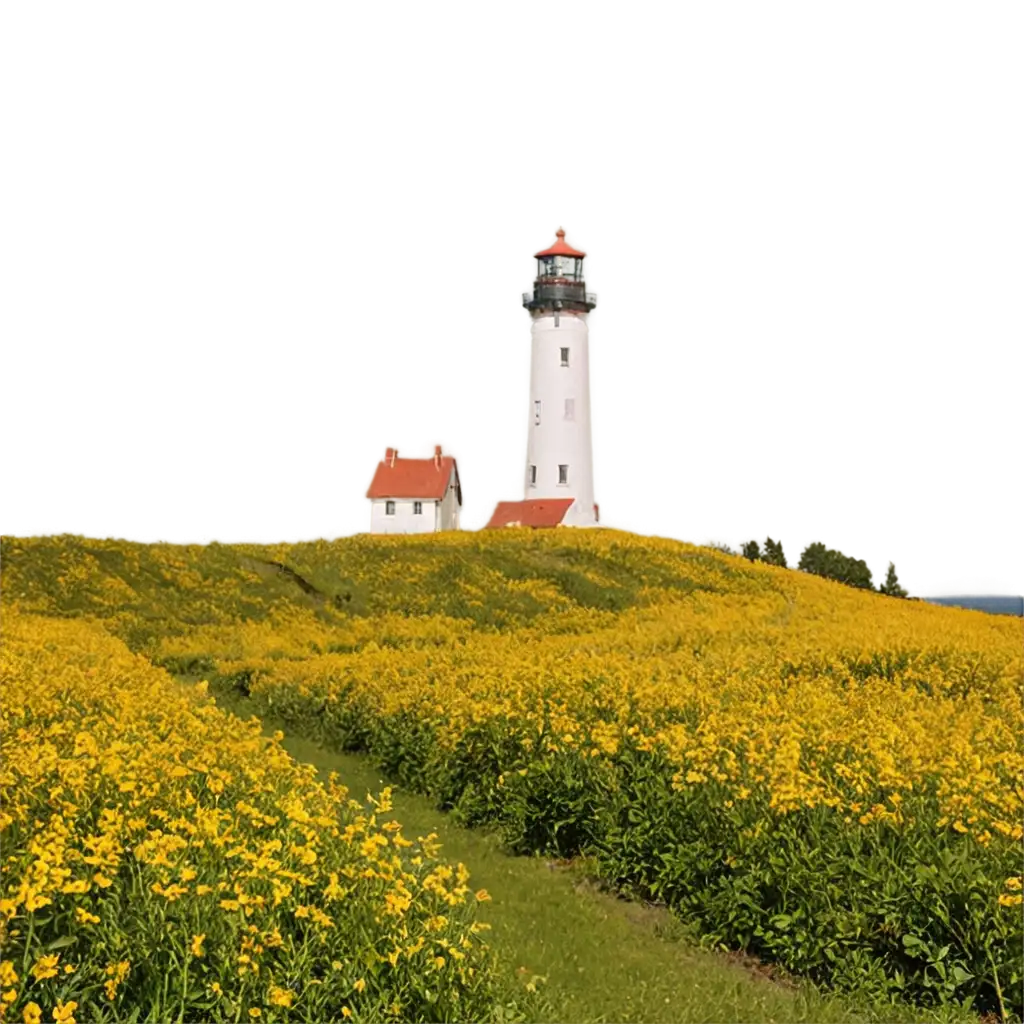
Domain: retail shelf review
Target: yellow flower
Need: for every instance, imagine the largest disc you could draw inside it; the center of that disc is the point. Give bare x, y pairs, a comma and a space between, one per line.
1010, 899
64, 1013
346, 1012
197, 945
84, 917
8, 975
45, 967
8, 996
216, 989
31, 1014
1014, 882
280, 996
359, 985
482, 895
116, 973
255, 1012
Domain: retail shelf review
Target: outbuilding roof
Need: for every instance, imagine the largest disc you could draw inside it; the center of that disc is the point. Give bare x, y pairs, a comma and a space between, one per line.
539, 512
414, 478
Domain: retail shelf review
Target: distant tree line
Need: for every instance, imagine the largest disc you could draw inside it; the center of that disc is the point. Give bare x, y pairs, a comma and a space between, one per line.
853, 568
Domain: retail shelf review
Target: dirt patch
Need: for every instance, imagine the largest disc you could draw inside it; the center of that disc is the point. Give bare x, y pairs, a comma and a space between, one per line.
268, 568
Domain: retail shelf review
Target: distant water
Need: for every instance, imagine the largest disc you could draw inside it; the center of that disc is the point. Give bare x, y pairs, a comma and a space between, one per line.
992, 604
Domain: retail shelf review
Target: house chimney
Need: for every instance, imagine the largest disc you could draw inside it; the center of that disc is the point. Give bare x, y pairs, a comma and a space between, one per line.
437, 456
389, 457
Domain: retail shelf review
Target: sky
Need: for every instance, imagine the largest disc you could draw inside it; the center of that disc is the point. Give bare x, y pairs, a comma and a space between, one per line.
218, 288
809, 413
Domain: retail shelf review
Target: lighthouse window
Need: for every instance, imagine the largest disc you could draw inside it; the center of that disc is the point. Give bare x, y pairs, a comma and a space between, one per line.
565, 357
536, 412
570, 408
533, 476
563, 474
389, 508
417, 508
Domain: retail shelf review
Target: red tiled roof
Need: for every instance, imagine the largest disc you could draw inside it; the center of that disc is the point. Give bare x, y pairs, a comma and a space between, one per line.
414, 478
538, 512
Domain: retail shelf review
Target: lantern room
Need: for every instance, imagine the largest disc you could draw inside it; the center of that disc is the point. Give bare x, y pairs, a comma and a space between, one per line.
561, 261
559, 284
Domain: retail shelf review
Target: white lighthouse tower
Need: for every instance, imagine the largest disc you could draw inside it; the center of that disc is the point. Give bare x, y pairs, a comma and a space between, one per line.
559, 460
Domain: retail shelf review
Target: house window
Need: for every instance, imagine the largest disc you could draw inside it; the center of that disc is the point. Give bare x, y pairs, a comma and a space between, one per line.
389, 508
536, 412
417, 508
565, 357
570, 408
533, 476
563, 474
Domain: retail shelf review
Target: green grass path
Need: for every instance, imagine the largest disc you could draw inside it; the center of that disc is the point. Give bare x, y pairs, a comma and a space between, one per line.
602, 959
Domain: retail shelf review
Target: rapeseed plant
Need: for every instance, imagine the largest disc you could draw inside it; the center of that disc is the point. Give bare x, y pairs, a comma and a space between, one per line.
163, 857
825, 777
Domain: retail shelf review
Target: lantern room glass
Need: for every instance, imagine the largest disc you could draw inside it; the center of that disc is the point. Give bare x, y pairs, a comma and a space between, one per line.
567, 267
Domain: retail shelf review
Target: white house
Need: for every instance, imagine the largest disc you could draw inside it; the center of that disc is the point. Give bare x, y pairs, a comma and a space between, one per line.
415, 495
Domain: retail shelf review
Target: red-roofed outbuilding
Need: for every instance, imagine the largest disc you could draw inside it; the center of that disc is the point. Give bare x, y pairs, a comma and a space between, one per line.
539, 512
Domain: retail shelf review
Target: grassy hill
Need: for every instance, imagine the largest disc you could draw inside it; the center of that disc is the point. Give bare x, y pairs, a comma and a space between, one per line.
826, 778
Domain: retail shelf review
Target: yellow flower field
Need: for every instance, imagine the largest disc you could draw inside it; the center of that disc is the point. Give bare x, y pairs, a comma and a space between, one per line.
162, 856
826, 777
782, 709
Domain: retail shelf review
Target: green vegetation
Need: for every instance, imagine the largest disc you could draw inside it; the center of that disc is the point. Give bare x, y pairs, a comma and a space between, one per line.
854, 568
591, 956
931, 558
788, 764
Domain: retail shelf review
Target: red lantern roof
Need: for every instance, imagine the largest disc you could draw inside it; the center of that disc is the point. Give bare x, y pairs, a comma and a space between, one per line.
560, 248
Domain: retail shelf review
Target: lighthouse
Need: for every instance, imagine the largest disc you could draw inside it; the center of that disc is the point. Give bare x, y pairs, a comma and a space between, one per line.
559, 459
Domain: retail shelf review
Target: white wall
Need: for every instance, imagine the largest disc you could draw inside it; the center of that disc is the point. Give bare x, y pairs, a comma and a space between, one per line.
557, 440
824, 413
525, 348
448, 508
403, 521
